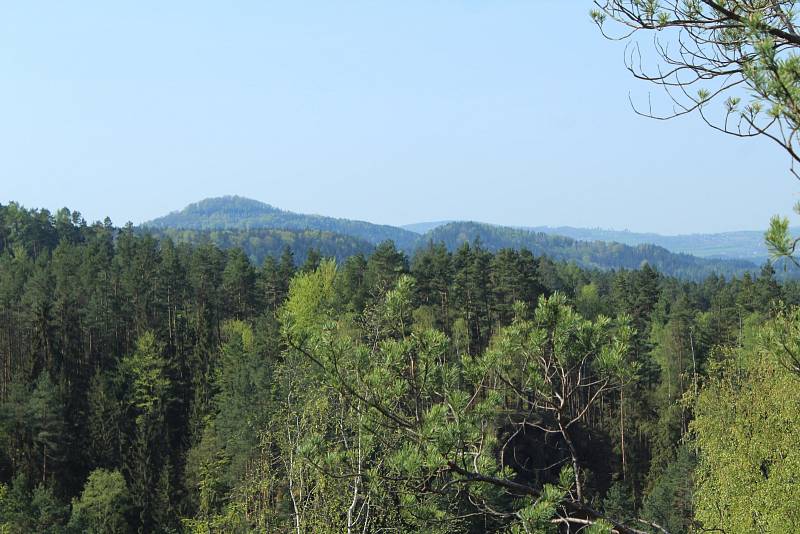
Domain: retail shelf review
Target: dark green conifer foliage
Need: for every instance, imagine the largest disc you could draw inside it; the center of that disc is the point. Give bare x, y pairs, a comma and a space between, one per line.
384, 267
352, 286
313, 259
238, 285
46, 418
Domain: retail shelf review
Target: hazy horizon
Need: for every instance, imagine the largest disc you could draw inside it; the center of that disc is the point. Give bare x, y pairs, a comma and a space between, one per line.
392, 114
120, 223
470, 219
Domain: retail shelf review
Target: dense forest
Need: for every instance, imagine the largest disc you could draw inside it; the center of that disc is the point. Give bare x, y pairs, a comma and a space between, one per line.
235, 368
149, 386
261, 243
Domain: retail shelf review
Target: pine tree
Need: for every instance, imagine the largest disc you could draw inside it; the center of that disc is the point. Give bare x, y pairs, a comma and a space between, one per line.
384, 267
48, 431
238, 285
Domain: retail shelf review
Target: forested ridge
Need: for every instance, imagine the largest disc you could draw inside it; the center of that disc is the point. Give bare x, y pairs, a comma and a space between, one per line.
742, 245
238, 213
262, 230
587, 254
159, 387
735, 245
261, 243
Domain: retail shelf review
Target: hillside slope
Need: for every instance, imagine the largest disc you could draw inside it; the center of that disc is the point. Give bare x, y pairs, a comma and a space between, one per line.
259, 243
237, 213
745, 244
594, 254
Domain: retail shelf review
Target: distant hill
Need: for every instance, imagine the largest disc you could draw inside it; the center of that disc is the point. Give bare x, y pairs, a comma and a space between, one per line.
594, 254
746, 244
424, 227
237, 213
259, 243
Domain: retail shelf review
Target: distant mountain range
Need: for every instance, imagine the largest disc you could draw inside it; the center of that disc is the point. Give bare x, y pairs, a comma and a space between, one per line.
588, 254
263, 230
741, 245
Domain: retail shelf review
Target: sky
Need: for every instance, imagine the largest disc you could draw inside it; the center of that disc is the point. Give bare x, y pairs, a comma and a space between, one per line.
512, 112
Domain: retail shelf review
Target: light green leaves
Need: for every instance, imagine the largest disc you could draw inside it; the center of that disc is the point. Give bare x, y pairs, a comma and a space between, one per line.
147, 369
597, 16
310, 300
747, 428
779, 243
103, 504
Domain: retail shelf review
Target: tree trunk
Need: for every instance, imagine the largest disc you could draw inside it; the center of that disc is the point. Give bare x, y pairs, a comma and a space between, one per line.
574, 454
622, 431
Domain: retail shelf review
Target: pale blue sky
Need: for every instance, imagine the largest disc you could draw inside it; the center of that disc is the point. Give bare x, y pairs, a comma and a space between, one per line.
511, 112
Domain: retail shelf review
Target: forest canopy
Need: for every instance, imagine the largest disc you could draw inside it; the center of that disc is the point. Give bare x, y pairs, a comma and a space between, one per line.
161, 387
234, 367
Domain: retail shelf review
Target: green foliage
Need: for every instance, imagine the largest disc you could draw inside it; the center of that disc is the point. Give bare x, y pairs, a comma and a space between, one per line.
104, 420
47, 423
147, 468
243, 402
671, 498
619, 503
434, 426
780, 243
49, 514
311, 297
747, 429
260, 244
148, 378
23, 510
103, 505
